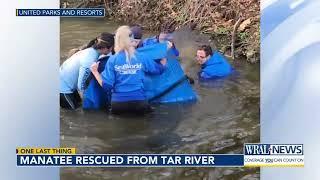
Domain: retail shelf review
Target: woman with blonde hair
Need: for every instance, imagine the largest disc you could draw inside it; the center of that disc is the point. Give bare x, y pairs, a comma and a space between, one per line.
125, 71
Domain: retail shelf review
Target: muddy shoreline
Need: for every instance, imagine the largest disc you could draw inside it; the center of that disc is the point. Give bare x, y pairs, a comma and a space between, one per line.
233, 25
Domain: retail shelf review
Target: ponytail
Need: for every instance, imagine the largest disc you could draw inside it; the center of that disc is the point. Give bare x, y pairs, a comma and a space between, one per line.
80, 48
104, 40
90, 43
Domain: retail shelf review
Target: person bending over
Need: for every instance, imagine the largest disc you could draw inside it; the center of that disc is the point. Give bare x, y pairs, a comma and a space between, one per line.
213, 65
76, 69
137, 35
125, 71
166, 34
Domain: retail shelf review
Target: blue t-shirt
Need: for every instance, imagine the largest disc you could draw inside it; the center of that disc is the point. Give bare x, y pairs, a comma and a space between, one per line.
75, 70
217, 66
125, 77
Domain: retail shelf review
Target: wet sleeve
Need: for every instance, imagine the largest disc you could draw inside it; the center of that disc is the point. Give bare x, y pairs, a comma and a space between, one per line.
84, 74
152, 67
84, 70
175, 51
108, 76
204, 75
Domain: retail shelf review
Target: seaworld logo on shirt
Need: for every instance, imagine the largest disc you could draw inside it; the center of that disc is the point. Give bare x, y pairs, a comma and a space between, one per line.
128, 68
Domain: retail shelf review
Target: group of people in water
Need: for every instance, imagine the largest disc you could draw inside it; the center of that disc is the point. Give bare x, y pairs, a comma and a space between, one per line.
112, 68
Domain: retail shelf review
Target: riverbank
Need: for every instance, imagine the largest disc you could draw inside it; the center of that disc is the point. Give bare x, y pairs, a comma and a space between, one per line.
232, 24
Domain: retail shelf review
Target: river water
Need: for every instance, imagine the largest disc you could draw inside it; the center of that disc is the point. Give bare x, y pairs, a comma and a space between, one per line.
225, 116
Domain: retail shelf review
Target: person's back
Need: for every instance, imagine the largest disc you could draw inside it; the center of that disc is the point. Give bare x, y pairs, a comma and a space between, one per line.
69, 70
128, 76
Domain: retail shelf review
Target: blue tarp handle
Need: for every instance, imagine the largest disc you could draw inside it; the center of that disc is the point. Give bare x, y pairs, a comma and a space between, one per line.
167, 90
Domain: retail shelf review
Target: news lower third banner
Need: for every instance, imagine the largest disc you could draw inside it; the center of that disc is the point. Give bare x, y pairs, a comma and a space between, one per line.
254, 155
64, 12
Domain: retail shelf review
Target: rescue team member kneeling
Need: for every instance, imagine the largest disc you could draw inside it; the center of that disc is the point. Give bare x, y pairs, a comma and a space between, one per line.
76, 69
213, 65
125, 71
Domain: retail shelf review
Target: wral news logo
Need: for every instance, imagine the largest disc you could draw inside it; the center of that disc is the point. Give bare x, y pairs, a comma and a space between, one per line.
273, 149
281, 155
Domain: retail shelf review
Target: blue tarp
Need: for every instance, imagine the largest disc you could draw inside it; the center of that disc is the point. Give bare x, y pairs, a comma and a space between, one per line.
174, 79
94, 97
172, 85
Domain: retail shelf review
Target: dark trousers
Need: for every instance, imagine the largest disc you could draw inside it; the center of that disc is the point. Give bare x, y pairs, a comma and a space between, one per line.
70, 101
133, 107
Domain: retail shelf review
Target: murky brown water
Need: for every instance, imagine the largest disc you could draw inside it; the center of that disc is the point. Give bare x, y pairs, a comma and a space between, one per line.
222, 120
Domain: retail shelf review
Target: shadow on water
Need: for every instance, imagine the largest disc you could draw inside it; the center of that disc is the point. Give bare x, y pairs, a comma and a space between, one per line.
151, 133
225, 116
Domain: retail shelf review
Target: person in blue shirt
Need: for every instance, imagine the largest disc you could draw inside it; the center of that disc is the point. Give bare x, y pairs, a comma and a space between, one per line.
166, 34
76, 69
125, 71
213, 65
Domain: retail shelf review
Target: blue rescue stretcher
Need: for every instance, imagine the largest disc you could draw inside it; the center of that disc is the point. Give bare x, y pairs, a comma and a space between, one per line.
171, 86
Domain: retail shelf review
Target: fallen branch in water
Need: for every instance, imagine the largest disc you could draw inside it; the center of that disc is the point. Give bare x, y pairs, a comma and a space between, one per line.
233, 36
106, 4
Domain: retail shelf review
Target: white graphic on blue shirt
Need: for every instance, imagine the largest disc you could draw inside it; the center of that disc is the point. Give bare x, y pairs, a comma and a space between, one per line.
128, 68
